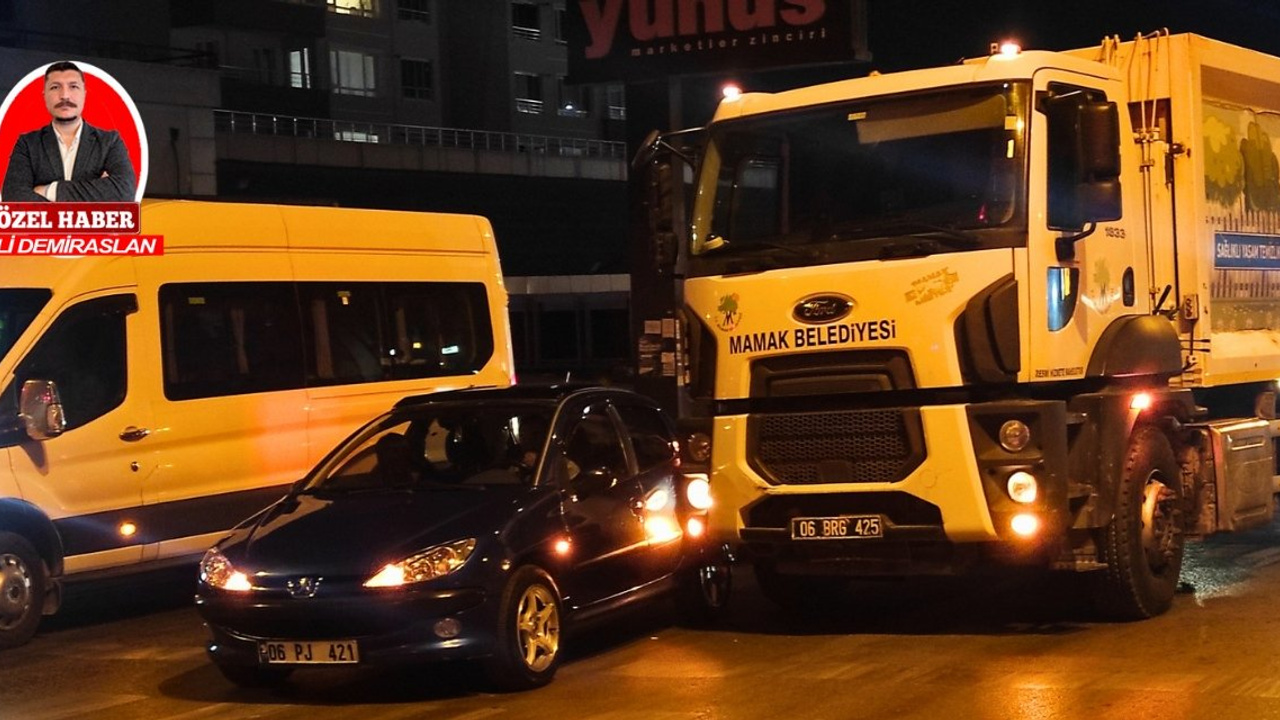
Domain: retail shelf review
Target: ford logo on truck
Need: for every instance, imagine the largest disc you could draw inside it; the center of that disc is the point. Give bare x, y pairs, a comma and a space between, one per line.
819, 309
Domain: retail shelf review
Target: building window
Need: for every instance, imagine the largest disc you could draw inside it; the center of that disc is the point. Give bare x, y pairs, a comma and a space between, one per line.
528, 93
575, 100
417, 10
416, 79
264, 66
560, 26
526, 21
209, 55
616, 101
352, 73
359, 8
300, 68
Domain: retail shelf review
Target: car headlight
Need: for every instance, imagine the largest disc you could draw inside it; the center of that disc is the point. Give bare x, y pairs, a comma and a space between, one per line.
431, 563
216, 571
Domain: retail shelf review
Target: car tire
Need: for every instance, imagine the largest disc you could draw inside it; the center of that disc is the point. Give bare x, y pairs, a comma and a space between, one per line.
704, 592
1143, 544
254, 676
22, 588
527, 651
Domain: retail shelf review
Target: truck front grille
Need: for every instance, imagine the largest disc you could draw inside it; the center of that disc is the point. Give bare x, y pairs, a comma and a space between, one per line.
847, 446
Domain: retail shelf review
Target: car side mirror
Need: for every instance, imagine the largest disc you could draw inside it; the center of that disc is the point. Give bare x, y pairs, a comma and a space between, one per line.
40, 409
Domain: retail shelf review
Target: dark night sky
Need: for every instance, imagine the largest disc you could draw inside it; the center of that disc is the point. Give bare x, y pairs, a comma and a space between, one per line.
904, 34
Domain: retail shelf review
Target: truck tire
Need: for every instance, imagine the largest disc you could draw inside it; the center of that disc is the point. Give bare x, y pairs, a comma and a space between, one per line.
703, 592
22, 580
1143, 543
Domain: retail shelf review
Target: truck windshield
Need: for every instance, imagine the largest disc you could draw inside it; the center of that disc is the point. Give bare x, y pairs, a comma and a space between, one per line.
18, 307
871, 178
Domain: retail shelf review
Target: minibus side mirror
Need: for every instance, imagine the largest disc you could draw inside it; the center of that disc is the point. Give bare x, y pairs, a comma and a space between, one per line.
40, 409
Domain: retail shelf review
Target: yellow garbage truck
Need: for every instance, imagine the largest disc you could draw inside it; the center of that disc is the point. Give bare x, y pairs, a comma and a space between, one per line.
1022, 310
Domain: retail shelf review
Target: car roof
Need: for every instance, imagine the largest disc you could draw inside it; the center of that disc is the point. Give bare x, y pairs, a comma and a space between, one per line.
523, 393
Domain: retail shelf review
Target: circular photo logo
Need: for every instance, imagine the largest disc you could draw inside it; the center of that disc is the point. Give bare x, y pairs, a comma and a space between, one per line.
87, 104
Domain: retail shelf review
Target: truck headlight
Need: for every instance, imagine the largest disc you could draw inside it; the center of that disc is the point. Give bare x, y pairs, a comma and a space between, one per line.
1014, 436
697, 491
429, 564
1022, 487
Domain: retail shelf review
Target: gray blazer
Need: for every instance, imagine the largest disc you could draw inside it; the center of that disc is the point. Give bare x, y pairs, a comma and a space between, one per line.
36, 161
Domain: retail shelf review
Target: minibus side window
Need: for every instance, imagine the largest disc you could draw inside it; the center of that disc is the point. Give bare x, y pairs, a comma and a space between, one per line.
360, 332
84, 352
438, 329
342, 332
223, 339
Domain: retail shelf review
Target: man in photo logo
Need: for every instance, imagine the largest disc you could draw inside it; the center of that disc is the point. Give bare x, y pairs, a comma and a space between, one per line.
68, 160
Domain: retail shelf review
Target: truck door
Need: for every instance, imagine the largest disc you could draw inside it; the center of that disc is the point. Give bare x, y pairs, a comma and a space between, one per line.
1080, 279
88, 480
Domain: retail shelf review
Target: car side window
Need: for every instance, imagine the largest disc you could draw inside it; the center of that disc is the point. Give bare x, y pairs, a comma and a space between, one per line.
651, 434
84, 352
593, 445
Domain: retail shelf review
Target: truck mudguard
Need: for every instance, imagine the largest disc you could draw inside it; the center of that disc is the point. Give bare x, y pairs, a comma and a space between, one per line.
1137, 345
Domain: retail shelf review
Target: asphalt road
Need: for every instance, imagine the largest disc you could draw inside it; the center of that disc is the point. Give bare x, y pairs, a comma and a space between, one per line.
999, 648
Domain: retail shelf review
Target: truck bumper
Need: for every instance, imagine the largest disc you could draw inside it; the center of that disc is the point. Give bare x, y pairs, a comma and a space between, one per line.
948, 510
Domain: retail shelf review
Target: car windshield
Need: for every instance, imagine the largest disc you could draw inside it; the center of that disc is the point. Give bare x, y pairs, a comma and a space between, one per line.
441, 445
18, 307
871, 178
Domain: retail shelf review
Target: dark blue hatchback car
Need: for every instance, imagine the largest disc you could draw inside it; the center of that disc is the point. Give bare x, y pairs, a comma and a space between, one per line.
475, 524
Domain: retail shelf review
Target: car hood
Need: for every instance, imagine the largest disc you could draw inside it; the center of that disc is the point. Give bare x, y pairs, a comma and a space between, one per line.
357, 533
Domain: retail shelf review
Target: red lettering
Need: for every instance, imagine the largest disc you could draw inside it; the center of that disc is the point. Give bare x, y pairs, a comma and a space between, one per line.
656, 22
803, 12
712, 17
602, 24
751, 14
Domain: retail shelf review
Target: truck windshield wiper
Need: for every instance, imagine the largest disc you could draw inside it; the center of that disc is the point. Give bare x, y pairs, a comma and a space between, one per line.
764, 248
948, 236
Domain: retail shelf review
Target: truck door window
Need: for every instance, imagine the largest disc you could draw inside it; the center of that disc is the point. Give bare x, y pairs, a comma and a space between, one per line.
84, 352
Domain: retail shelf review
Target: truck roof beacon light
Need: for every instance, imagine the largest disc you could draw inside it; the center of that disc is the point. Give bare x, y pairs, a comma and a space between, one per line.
1006, 49
731, 91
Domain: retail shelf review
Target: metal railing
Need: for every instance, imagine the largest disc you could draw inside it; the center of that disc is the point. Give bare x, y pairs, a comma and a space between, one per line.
228, 121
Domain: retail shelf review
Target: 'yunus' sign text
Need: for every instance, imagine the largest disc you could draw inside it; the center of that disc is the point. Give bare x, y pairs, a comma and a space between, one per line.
624, 39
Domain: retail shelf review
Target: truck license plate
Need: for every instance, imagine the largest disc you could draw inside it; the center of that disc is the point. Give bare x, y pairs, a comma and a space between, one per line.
837, 528
308, 652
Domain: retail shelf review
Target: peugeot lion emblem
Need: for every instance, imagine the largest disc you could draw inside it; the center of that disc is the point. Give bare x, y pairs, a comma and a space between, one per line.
824, 308
304, 587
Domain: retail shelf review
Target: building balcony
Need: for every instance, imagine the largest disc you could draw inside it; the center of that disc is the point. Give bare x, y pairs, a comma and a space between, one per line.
298, 140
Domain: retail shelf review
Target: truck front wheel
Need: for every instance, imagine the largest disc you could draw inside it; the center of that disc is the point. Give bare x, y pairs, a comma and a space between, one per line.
1143, 543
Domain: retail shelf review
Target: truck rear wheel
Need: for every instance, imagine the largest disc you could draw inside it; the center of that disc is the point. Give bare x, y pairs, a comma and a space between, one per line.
1143, 544
22, 578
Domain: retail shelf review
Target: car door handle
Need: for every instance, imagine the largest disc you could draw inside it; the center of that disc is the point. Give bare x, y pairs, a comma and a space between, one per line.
133, 434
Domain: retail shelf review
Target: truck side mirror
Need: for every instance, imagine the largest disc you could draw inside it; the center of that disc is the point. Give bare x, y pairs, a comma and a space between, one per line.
40, 408
1084, 161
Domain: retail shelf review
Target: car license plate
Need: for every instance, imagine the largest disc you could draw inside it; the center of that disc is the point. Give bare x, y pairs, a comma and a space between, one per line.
837, 528
308, 652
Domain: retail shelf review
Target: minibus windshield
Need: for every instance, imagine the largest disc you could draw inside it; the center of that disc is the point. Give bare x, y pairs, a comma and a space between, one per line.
18, 307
